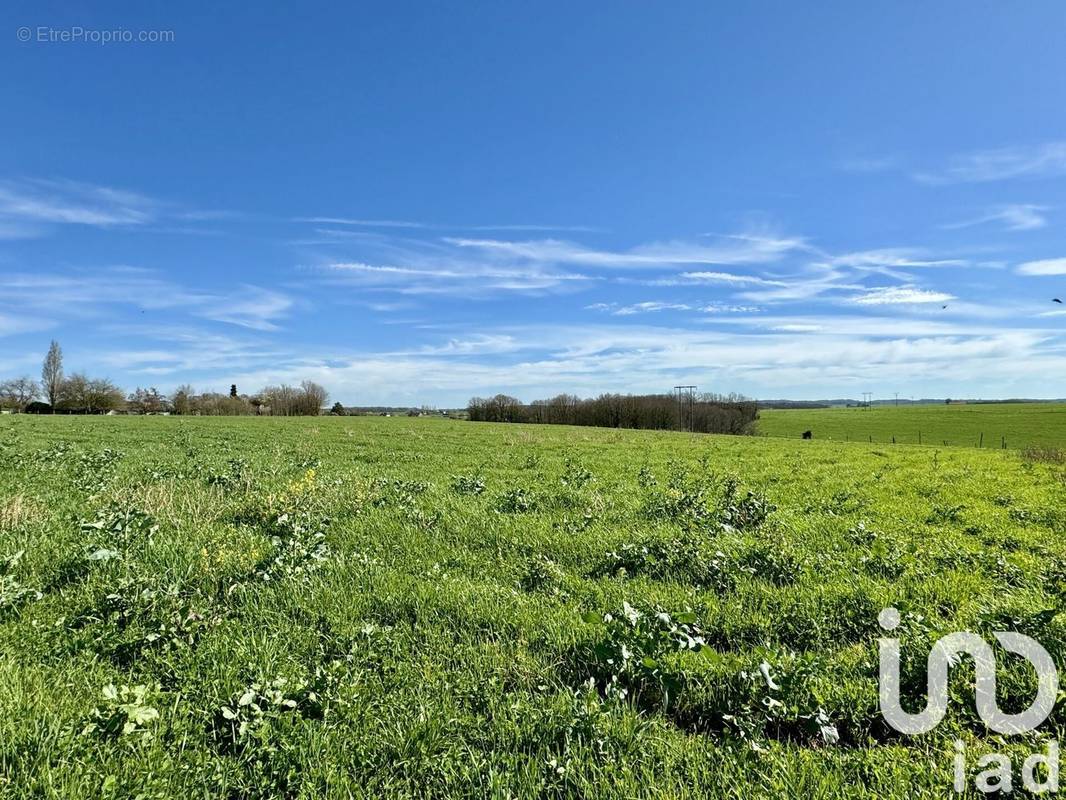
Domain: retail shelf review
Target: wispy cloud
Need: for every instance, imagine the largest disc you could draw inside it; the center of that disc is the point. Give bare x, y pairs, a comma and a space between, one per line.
400, 223
655, 306
1018, 217
481, 267
33, 207
92, 294
728, 278
69, 202
900, 295
797, 327
1033, 161
737, 249
812, 282
893, 257
362, 223
650, 307
1046, 266
828, 359
187, 350
249, 307
729, 308
469, 279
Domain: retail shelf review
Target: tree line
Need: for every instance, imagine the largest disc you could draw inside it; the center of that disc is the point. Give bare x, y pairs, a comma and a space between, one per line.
702, 413
78, 393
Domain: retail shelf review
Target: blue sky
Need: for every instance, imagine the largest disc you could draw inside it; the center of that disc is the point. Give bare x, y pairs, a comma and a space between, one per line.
419, 202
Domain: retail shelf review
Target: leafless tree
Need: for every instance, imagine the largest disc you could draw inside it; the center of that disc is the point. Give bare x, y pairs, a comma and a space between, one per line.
289, 401
146, 401
182, 399
79, 394
314, 398
730, 414
52, 373
18, 393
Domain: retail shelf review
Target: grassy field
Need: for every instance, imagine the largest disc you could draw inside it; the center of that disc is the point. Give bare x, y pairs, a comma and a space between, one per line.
1015, 425
366, 607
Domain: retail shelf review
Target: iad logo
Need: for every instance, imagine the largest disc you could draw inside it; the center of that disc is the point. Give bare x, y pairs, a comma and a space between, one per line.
943, 655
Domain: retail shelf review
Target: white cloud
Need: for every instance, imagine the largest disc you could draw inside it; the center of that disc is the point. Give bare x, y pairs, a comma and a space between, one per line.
726, 308
69, 202
739, 249
797, 327
89, 294
654, 306
249, 307
1047, 266
1018, 217
1043, 160
399, 223
809, 284
728, 278
650, 307
900, 295
363, 223
893, 257
467, 279
590, 359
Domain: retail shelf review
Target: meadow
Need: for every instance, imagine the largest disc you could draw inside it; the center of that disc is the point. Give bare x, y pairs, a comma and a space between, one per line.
989, 425
368, 607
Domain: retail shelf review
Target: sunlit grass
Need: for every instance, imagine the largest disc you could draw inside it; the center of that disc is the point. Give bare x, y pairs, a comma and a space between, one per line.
392, 607
986, 425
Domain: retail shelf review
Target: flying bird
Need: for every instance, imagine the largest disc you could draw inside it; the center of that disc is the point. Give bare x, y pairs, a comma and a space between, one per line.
1056, 300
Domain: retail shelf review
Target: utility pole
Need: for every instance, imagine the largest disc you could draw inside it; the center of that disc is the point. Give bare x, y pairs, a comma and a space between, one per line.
897, 399
682, 391
866, 398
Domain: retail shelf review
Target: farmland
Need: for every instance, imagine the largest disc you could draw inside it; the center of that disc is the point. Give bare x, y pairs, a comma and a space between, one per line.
419, 607
1015, 425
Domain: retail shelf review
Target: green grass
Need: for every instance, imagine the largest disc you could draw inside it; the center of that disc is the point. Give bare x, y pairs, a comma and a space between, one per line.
373, 607
1015, 425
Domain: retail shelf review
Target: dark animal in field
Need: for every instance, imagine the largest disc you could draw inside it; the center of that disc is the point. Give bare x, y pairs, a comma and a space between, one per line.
807, 435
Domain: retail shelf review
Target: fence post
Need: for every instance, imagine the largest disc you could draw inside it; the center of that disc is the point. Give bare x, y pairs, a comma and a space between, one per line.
919, 437
982, 442
1003, 443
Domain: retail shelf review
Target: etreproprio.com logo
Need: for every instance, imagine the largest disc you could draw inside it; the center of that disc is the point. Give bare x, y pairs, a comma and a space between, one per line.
998, 777
76, 34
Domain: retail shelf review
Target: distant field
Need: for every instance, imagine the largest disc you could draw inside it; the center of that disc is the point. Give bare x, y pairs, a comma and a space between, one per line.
367, 607
1014, 424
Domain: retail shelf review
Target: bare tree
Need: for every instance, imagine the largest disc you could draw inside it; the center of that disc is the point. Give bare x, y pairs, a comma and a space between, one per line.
315, 397
146, 401
729, 414
182, 399
80, 394
52, 373
288, 401
18, 393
